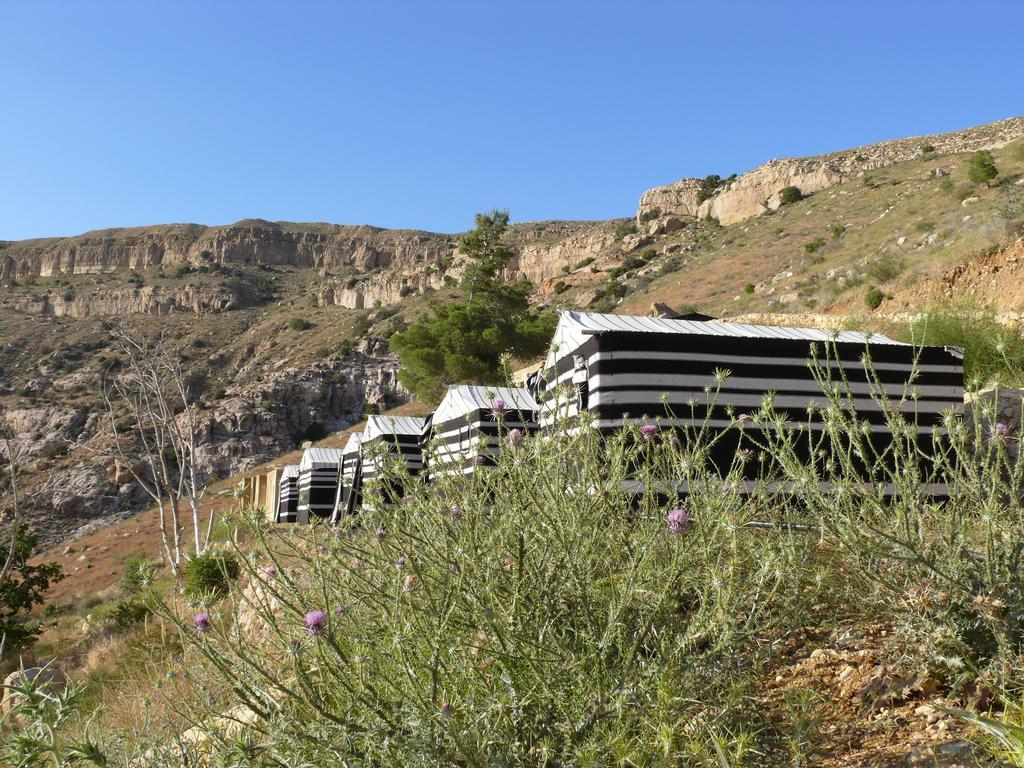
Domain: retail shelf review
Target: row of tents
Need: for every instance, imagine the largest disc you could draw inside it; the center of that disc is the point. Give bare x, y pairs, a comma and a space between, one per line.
625, 370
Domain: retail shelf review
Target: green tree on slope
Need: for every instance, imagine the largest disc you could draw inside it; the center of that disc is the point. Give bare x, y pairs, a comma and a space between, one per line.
462, 341
22, 586
982, 168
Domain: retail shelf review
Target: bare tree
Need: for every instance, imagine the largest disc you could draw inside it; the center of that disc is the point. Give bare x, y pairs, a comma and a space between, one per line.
153, 423
7, 556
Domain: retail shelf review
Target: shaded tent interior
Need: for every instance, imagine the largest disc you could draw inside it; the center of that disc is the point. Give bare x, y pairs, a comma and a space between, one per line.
288, 495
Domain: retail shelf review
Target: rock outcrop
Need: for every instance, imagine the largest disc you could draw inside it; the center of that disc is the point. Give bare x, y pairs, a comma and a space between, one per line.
147, 299
756, 191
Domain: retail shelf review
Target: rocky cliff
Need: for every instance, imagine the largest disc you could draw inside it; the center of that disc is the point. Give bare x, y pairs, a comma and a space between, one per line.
756, 191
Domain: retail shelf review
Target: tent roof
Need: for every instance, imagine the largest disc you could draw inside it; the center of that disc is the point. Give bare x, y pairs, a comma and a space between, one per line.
353, 443
291, 470
392, 425
465, 398
574, 328
314, 458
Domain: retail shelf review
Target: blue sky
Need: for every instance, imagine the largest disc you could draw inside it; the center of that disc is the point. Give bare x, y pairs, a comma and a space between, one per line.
418, 114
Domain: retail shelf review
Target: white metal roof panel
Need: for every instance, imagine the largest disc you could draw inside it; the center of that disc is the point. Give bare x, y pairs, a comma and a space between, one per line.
353, 443
464, 398
574, 328
314, 458
290, 470
392, 425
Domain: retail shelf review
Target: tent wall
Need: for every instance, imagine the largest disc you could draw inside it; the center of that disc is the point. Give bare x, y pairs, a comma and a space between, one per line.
624, 377
472, 441
288, 495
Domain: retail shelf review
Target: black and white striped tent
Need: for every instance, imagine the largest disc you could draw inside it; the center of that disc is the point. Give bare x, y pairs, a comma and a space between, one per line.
469, 424
389, 438
349, 486
630, 370
318, 483
288, 495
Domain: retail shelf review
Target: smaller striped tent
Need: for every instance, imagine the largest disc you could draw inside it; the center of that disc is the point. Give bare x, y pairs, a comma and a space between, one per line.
390, 437
288, 495
469, 424
318, 483
349, 486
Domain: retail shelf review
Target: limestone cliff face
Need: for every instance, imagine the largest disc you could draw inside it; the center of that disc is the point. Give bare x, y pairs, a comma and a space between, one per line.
322, 246
756, 191
120, 301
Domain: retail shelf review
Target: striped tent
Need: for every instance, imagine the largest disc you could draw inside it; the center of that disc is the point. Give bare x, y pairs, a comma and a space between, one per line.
288, 495
469, 423
318, 483
349, 486
390, 437
629, 370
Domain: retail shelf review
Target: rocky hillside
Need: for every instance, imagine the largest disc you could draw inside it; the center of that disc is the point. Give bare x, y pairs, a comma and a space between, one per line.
282, 327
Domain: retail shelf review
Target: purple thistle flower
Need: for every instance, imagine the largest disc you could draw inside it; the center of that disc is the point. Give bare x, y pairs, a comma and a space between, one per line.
381, 533
341, 611
743, 418
270, 571
316, 622
677, 520
648, 431
456, 513
201, 622
674, 439
499, 407
515, 437
746, 454
446, 709
999, 431
400, 563
481, 461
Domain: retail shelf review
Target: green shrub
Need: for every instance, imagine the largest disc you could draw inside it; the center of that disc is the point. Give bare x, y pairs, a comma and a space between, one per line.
217, 393
210, 573
814, 245
346, 347
299, 324
748, 288
790, 195
650, 215
982, 167
873, 298
560, 287
927, 150
130, 611
837, 230
314, 432
625, 228
181, 271
993, 352
406, 290
584, 263
138, 574
885, 268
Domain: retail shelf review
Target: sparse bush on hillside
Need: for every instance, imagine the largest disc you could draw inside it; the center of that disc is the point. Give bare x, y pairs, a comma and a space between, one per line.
406, 290
885, 268
790, 195
625, 228
748, 288
584, 262
314, 432
560, 287
210, 573
837, 230
650, 214
814, 245
993, 352
927, 150
873, 298
139, 572
982, 168
299, 324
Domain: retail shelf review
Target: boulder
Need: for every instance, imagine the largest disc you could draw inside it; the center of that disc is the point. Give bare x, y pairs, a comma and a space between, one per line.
589, 298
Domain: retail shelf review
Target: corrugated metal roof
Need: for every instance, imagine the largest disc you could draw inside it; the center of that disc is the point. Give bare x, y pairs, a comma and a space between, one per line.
319, 457
353, 443
575, 327
392, 425
463, 398
290, 470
